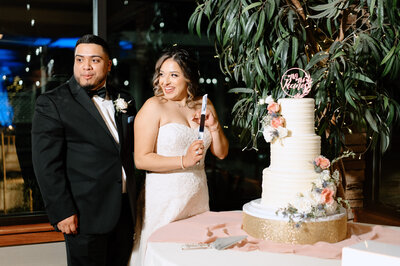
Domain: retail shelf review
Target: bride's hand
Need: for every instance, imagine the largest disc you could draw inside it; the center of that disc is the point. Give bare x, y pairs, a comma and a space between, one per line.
194, 153
210, 121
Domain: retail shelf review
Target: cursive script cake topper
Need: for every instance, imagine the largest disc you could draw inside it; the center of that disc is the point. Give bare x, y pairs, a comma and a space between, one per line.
296, 83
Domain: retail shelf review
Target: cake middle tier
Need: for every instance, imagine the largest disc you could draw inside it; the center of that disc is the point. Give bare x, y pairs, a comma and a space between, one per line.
295, 153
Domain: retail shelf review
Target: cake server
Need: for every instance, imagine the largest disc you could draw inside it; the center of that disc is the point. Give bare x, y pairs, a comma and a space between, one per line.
220, 243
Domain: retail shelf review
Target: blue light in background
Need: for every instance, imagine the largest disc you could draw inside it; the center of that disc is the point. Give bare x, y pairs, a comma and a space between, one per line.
7, 55
64, 43
41, 41
6, 111
125, 45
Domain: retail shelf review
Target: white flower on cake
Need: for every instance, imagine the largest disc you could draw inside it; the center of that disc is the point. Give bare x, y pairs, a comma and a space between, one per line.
304, 204
121, 105
331, 208
321, 201
273, 123
267, 100
325, 175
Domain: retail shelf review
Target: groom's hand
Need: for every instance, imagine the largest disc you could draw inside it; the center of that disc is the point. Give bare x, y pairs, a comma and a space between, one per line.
69, 225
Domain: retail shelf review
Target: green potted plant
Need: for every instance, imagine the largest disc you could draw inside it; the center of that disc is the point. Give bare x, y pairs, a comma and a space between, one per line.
350, 47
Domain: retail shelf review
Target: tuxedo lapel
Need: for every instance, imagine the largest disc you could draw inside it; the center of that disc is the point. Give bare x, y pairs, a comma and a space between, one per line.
81, 96
118, 121
119, 117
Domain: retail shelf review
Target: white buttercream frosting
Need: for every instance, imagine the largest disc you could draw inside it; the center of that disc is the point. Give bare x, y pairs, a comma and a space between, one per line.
291, 170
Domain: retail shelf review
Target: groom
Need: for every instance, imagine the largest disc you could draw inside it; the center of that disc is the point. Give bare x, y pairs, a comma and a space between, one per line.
83, 158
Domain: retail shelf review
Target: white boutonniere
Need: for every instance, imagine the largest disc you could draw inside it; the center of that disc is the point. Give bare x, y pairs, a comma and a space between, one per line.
121, 105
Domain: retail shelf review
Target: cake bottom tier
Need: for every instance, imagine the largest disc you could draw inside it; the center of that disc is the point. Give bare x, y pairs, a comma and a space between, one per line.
264, 224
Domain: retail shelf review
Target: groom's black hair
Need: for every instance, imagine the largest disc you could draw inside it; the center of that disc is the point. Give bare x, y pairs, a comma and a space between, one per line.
90, 38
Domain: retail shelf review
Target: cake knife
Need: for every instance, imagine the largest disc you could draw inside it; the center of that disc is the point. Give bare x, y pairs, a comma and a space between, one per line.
220, 243
203, 117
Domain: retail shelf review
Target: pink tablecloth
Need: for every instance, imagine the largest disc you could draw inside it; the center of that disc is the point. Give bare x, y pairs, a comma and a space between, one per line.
206, 227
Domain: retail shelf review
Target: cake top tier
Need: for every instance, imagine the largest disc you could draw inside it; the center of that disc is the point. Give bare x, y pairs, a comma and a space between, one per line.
299, 115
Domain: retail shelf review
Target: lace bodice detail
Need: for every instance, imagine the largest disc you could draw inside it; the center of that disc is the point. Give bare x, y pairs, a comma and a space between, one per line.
174, 139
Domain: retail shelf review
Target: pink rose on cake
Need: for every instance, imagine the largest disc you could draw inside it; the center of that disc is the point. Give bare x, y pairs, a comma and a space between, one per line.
278, 122
327, 195
321, 163
273, 108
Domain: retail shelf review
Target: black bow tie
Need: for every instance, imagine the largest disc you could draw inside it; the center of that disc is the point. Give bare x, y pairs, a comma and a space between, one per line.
102, 92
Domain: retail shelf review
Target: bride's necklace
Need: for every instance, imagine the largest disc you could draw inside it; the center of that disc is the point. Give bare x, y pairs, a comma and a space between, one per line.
180, 105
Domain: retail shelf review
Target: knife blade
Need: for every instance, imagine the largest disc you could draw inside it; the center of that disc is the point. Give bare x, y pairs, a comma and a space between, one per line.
202, 117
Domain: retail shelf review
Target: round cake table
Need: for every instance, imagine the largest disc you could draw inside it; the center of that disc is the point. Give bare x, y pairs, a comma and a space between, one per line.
164, 247
171, 254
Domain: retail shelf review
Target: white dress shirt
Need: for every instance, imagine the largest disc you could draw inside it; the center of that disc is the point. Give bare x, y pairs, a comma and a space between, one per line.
107, 111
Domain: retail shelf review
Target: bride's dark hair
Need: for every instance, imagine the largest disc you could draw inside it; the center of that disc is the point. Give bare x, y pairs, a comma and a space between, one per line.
189, 66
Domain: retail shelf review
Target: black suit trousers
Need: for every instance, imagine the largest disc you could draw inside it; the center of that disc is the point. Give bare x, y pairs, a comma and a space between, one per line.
111, 249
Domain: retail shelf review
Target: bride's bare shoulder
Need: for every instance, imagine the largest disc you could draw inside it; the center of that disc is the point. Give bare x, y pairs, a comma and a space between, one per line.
154, 103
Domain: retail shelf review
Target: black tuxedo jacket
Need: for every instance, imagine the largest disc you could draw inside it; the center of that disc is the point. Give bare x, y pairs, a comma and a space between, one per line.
77, 162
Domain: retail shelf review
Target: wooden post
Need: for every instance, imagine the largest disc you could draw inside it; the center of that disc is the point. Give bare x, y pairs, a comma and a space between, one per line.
4, 172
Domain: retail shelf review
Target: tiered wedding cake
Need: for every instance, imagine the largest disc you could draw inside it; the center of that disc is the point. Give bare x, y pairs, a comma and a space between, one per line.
298, 202
291, 170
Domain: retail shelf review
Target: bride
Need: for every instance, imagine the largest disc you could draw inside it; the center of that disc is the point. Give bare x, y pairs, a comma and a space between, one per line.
166, 145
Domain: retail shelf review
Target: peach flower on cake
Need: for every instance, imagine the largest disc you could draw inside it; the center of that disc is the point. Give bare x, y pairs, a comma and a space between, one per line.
278, 122
322, 162
273, 107
327, 195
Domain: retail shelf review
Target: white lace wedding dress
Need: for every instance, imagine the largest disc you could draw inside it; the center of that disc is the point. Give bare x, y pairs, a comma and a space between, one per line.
174, 195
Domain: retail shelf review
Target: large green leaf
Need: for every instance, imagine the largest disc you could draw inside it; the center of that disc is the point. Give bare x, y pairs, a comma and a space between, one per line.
230, 31
389, 55
325, 6
198, 24
250, 24
295, 48
271, 9
253, 5
260, 26
371, 120
372, 7
349, 99
327, 13
318, 57
361, 77
240, 103
388, 66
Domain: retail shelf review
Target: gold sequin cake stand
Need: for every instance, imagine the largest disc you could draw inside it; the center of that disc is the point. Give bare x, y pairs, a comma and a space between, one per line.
262, 223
